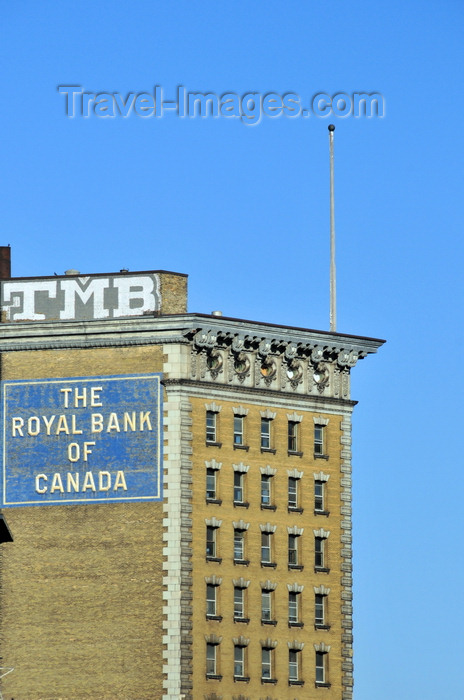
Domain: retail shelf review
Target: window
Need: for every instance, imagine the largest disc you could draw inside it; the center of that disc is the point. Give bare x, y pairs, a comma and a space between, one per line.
321, 667
293, 550
266, 490
320, 610
211, 484
238, 430
210, 541
240, 414
293, 608
319, 496
240, 472
266, 547
212, 527
319, 440
319, 559
239, 545
239, 661
211, 659
211, 426
294, 656
292, 492
239, 603
293, 428
265, 433
239, 482
266, 606
211, 600
266, 664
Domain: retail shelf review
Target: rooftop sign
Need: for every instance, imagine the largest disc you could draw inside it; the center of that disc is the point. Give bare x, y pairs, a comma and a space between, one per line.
80, 298
82, 440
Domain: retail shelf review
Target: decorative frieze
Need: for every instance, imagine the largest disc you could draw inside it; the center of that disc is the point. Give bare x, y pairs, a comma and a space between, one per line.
272, 362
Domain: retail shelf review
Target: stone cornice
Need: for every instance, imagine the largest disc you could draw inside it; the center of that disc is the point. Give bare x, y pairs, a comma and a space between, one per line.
205, 331
203, 389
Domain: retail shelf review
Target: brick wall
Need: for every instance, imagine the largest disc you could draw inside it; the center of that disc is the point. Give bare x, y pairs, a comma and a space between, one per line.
81, 586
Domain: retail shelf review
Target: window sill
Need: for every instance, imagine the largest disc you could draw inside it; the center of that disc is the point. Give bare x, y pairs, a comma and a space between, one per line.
241, 504
269, 680
218, 618
264, 506
213, 677
295, 509
322, 685
269, 564
321, 456
321, 627
295, 567
268, 449
241, 679
241, 447
213, 444
242, 619
217, 559
269, 622
322, 512
294, 453
290, 682
217, 501
296, 624
321, 570
242, 562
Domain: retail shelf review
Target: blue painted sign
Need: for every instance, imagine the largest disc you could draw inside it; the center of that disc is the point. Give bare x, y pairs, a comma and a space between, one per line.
82, 440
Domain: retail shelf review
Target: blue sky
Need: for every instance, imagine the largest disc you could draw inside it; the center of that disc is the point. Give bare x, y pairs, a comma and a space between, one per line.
244, 210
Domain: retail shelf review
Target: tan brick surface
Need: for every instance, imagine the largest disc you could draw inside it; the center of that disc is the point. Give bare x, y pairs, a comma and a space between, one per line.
226, 512
81, 597
173, 293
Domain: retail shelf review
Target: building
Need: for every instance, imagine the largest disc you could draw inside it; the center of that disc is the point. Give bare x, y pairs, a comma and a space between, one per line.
233, 580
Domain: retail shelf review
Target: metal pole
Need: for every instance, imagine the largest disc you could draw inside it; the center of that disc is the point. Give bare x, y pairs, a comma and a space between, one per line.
333, 286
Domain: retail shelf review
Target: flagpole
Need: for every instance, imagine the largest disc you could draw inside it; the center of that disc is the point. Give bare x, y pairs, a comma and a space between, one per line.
333, 289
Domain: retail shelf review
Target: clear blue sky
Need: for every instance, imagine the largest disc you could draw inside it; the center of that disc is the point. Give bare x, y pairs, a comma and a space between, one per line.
244, 211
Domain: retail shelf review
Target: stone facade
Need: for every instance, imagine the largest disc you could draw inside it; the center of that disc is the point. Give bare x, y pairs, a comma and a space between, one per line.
116, 601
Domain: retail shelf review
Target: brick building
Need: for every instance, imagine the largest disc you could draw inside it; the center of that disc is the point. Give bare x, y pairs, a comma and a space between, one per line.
236, 580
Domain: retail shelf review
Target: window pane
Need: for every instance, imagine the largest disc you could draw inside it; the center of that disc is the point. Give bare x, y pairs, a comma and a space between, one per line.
211, 483
239, 595
266, 605
319, 552
292, 436
320, 667
210, 599
265, 433
211, 659
238, 430
266, 663
238, 487
319, 609
318, 495
210, 426
266, 490
292, 607
265, 547
239, 542
292, 492
318, 439
239, 658
293, 665
292, 550
210, 541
